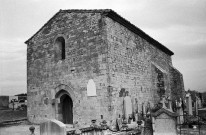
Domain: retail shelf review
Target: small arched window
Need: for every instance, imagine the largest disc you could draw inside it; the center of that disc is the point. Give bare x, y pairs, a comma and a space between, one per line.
91, 88
60, 48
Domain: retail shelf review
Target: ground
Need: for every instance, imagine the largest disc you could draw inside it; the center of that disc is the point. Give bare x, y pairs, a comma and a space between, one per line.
10, 115
22, 129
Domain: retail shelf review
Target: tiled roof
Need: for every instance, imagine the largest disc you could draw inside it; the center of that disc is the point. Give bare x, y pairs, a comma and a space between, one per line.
116, 17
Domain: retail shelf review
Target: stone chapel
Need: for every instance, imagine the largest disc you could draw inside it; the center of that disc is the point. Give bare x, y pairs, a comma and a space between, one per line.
81, 63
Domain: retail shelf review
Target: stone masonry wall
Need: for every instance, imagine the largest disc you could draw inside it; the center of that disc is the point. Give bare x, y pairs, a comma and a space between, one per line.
86, 58
177, 85
130, 67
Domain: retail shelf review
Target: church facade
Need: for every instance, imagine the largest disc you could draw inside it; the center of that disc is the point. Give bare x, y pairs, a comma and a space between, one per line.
81, 63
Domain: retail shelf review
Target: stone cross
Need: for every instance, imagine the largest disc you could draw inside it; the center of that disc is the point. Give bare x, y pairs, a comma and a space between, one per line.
170, 104
163, 101
180, 102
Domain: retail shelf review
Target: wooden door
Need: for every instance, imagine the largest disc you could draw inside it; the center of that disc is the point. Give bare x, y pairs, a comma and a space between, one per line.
67, 110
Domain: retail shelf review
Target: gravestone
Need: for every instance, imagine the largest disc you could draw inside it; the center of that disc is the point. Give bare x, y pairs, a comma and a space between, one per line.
52, 127
127, 107
180, 112
164, 122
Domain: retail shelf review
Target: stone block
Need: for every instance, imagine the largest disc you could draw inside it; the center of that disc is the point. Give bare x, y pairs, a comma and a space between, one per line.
52, 127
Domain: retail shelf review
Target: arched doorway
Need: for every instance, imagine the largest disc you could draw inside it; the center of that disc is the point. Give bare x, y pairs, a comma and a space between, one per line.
67, 109
64, 108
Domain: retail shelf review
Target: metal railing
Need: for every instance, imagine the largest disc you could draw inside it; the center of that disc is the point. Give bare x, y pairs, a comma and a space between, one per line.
189, 125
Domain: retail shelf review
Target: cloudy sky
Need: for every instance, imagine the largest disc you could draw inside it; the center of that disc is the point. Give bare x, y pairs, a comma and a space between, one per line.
180, 25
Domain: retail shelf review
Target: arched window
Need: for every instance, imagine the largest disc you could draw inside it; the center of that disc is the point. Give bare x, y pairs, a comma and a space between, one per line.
91, 88
60, 48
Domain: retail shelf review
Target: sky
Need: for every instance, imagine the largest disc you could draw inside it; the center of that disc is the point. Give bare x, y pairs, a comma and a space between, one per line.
180, 25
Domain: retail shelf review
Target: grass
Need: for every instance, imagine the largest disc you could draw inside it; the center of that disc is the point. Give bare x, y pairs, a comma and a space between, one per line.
10, 115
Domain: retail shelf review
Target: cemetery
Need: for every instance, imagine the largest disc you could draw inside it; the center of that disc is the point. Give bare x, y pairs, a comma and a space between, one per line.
93, 66
94, 72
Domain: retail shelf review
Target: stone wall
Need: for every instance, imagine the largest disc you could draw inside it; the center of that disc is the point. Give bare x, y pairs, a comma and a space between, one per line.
177, 85
86, 58
133, 65
4, 102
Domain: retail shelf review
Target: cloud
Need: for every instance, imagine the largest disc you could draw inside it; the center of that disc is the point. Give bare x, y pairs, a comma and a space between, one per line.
186, 42
14, 70
12, 65
12, 49
179, 25
191, 52
194, 73
167, 13
13, 90
12, 44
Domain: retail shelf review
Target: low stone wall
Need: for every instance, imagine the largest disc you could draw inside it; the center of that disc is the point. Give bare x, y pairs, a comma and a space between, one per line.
55, 127
94, 131
86, 131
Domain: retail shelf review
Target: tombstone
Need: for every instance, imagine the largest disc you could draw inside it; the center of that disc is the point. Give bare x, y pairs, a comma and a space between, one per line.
164, 122
143, 109
189, 103
52, 127
163, 101
119, 123
180, 112
169, 103
127, 107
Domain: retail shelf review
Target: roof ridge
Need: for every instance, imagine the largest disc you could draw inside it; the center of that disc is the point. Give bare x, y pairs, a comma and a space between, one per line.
118, 18
71, 10
115, 16
86, 10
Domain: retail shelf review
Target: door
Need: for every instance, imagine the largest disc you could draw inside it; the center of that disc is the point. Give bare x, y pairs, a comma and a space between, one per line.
67, 109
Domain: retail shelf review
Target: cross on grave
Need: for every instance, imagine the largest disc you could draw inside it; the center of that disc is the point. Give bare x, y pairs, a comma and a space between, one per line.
163, 101
170, 103
180, 103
